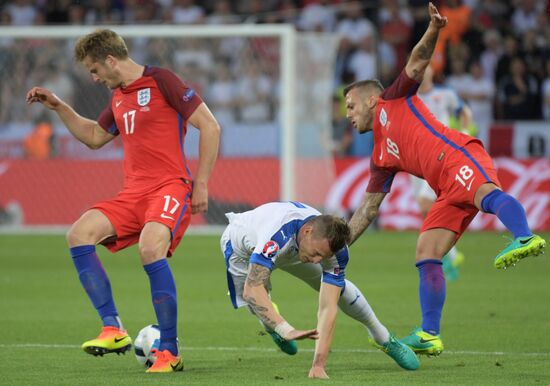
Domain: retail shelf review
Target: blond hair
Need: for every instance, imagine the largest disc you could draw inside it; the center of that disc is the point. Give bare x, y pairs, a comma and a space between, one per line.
100, 44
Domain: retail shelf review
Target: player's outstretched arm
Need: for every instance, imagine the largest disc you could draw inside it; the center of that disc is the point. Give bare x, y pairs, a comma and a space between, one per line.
365, 214
85, 130
421, 54
326, 322
209, 141
255, 294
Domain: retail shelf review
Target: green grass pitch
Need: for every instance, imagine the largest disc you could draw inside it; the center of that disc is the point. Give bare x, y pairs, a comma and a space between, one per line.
496, 324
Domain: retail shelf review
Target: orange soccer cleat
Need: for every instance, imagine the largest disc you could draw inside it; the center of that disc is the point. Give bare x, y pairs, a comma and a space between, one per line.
166, 362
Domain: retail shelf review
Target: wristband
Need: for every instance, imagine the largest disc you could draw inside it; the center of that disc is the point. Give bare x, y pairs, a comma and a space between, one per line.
283, 329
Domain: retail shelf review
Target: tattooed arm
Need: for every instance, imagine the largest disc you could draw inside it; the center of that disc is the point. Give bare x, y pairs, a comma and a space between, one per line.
256, 295
421, 54
365, 214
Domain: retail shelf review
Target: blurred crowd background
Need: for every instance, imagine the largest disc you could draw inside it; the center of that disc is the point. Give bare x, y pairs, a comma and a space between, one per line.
494, 54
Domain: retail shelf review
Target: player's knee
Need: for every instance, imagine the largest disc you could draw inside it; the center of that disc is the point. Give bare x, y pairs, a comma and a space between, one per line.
149, 253
80, 235
425, 251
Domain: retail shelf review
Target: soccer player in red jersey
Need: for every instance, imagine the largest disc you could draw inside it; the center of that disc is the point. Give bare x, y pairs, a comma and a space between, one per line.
149, 109
407, 137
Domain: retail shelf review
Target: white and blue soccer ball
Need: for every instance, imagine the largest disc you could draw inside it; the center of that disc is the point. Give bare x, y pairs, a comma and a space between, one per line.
147, 339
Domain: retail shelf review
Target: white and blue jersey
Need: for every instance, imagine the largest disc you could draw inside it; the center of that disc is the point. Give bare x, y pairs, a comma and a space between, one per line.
443, 102
268, 236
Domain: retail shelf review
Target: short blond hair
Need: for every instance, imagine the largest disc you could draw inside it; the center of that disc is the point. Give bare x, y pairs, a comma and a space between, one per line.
100, 44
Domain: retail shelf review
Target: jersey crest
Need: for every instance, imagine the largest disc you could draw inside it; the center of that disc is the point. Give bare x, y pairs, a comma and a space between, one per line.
270, 249
144, 96
188, 95
383, 117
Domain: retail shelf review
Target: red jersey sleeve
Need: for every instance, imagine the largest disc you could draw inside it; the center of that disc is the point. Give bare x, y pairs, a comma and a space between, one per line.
380, 179
107, 120
179, 95
401, 87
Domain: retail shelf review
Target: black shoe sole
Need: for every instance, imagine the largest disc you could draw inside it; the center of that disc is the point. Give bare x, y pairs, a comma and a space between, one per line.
100, 351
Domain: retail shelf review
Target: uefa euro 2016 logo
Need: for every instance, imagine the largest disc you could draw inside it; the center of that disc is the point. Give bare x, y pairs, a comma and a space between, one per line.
270, 249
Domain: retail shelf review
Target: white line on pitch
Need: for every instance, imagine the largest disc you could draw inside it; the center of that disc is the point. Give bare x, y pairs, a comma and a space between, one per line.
262, 349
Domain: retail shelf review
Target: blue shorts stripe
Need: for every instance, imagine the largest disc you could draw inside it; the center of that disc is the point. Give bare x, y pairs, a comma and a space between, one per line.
181, 214
230, 284
445, 139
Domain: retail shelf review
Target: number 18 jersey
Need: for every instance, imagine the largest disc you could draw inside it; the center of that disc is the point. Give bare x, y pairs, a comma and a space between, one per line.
407, 137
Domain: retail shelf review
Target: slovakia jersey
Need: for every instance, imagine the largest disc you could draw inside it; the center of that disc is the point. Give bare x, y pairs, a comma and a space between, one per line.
443, 102
268, 236
151, 115
407, 137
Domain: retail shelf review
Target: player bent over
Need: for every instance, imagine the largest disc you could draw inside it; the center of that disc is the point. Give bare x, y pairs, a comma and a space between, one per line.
299, 240
407, 137
149, 109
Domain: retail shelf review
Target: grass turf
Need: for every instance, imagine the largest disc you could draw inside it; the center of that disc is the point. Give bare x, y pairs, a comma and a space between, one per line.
495, 325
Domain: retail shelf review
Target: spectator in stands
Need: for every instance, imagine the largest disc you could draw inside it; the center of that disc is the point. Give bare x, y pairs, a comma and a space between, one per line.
518, 93
354, 26
185, 12
511, 50
223, 13
492, 53
317, 16
362, 63
255, 92
22, 12
395, 24
40, 143
339, 143
526, 14
478, 92
222, 96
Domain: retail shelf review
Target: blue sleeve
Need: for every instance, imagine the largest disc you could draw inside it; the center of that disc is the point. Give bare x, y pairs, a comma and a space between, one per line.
336, 276
260, 259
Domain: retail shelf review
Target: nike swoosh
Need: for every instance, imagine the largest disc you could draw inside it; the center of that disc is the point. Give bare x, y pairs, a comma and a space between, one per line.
422, 340
354, 300
175, 367
119, 340
470, 185
118, 103
526, 241
165, 216
381, 154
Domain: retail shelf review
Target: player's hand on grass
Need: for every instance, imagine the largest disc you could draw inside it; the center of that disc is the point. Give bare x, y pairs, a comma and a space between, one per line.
436, 19
44, 96
199, 199
302, 334
317, 372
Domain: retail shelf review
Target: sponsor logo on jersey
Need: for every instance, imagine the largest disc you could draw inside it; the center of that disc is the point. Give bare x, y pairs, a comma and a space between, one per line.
270, 249
188, 95
383, 117
144, 96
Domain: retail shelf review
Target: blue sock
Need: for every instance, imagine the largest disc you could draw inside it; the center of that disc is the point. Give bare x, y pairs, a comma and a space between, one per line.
432, 294
508, 210
163, 292
95, 282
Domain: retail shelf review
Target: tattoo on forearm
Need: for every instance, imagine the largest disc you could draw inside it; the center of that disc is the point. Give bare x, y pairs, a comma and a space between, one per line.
365, 214
258, 276
261, 312
426, 46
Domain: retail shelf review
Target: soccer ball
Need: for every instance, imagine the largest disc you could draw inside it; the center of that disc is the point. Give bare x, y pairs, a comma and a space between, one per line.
147, 339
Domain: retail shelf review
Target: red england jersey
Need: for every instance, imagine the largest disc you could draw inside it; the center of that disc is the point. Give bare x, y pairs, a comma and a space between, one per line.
407, 137
151, 116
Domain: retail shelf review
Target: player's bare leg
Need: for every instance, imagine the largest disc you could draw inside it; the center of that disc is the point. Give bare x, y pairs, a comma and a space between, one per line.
454, 258
432, 245
490, 199
83, 236
154, 242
